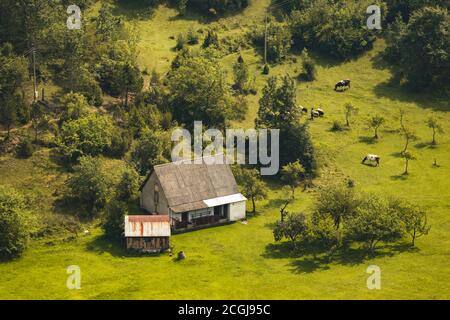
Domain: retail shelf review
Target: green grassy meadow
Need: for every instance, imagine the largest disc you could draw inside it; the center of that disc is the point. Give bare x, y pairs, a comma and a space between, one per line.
242, 261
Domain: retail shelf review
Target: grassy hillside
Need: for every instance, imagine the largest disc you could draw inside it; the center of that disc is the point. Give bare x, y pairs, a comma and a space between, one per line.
243, 261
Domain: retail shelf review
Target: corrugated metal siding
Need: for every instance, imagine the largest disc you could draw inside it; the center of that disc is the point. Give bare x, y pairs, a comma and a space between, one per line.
147, 226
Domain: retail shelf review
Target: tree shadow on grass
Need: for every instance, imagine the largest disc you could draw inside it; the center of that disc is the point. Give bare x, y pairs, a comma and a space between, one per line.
427, 145
310, 257
398, 154
435, 100
101, 244
368, 140
134, 9
400, 177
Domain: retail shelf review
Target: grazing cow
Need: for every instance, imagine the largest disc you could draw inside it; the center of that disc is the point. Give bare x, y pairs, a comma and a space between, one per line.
303, 109
343, 84
314, 114
320, 112
372, 158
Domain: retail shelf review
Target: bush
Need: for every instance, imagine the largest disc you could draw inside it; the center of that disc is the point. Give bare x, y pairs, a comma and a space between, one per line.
114, 223
374, 220
25, 148
120, 143
181, 42
152, 148
279, 42
13, 227
90, 135
90, 186
337, 126
211, 40
192, 37
308, 67
128, 187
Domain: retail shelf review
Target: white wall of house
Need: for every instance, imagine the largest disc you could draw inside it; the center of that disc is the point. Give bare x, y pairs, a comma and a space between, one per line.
237, 211
148, 197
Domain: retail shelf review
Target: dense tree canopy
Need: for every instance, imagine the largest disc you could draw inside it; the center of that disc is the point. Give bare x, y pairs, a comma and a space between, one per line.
334, 27
200, 91
420, 49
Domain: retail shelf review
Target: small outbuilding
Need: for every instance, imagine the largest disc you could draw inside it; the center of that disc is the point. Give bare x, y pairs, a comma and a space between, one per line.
147, 233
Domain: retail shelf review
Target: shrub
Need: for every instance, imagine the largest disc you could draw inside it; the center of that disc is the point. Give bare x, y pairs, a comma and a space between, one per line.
309, 68
374, 220
181, 42
337, 126
90, 186
192, 37
120, 143
128, 187
279, 42
114, 223
211, 40
25, 148
13, 227
90, 135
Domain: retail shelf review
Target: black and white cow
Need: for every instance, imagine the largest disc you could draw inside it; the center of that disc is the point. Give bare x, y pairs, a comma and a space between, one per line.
321, 112
372, 158
343, 84
314, 114
303, 109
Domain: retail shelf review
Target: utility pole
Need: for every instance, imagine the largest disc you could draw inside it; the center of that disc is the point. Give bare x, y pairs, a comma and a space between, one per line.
35, 93
266, 36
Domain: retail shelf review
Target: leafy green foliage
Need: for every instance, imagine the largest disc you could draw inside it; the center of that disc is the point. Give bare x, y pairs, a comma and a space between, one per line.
13, 76
293, 174
114, 224
420, 49
199, 91
241, 75
337, 201
374, 220
89, 186
336, 28
293, 228
128, 187
309, 72
73, 107
25, 148
13, 227
90, 135
152, 148
252, 187
279, 41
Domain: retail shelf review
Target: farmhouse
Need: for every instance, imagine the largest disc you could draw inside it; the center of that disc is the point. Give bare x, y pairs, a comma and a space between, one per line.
147, 233
193, 195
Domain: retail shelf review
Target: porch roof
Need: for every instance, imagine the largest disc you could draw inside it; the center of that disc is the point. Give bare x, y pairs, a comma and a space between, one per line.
219, 201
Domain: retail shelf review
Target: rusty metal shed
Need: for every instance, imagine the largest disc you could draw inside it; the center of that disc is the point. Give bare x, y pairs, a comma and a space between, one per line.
147, 233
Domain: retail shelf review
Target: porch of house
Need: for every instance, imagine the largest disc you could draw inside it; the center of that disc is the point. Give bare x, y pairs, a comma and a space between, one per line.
200, 218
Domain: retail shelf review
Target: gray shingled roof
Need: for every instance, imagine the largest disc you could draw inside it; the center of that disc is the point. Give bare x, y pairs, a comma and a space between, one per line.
187, 185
